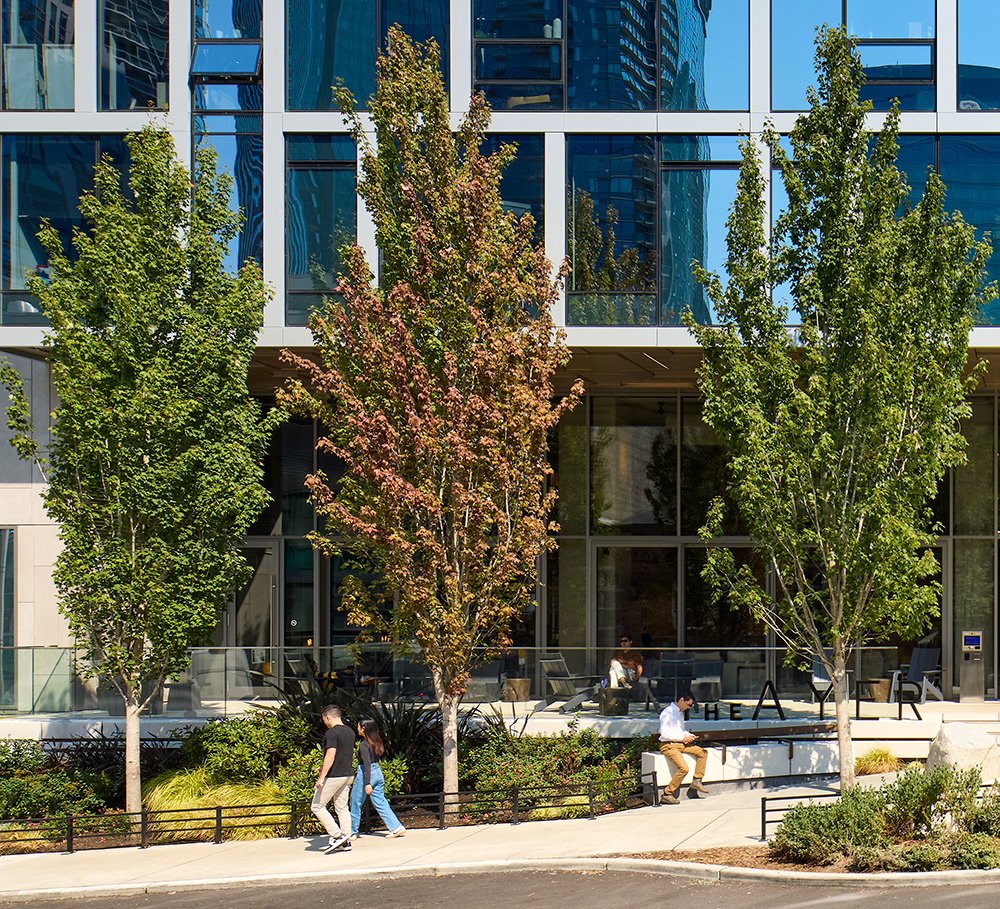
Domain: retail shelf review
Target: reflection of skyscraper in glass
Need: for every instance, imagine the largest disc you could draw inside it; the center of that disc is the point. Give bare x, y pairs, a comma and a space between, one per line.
683, 26
136, 45
227, 18
612, 48
684, 198
238, 19
327, 40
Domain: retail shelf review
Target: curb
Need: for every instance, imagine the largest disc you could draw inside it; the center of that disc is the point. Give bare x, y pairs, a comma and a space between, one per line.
695, 870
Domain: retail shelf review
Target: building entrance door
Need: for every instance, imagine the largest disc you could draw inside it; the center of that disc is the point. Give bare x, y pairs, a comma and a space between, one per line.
246, 630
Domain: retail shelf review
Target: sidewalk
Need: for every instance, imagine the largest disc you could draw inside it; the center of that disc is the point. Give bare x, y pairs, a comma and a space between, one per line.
723, 819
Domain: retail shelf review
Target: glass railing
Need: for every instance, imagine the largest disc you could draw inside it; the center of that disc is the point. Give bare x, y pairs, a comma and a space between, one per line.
224, 680
38, 680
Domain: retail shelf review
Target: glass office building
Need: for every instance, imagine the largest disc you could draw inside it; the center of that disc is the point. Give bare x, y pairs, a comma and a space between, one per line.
627, 115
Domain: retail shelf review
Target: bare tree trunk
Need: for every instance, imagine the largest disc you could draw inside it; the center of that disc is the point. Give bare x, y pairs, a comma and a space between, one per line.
449, 735
843, 706
448, 704
133, 780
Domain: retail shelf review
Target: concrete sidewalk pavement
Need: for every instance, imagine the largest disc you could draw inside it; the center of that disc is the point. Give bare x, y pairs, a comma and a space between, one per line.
722, 819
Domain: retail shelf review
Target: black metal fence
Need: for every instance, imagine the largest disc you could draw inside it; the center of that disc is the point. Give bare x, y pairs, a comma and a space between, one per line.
774, 807
290, 819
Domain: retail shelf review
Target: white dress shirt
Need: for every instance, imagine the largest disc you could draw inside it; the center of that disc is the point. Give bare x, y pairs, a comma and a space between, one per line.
672, 724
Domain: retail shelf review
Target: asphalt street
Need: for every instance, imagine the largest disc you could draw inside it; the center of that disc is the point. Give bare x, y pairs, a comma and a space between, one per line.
551, 890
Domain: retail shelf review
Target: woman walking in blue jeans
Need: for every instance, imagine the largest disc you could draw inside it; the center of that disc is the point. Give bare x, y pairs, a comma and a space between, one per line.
370, 781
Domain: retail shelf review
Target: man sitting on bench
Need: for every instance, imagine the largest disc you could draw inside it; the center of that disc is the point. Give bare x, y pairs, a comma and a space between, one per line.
626, 664
675, 742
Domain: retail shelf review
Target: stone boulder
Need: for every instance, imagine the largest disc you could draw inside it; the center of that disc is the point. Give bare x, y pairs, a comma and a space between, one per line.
964, 746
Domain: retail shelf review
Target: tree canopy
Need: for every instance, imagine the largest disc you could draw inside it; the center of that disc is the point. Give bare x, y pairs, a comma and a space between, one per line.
840, 429
436, 386
154, 466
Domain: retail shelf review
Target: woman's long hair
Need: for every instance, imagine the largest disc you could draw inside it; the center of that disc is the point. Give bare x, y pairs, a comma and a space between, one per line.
370, 733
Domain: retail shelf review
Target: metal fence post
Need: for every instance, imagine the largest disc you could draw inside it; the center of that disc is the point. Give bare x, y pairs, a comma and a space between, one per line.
69, 832
218, 824
590, 797
143, 830
515, 819
293, 821
441, 807
763, 817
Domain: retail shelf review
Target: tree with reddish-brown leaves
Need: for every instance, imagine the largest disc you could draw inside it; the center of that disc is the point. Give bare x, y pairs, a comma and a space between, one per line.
436, 386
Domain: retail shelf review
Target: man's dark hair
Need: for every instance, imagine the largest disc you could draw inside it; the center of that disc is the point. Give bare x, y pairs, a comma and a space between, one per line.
330, 712
684, 695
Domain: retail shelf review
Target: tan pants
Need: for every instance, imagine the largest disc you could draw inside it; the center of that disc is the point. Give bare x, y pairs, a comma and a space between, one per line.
674, 752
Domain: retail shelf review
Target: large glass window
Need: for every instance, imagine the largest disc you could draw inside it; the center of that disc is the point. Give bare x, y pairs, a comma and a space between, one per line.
332, 40
37, 63
611, 225
522, 187
970, 169
895, 42
566, 595
705, 55
520, 53
704, 473
239, 144
134, 58
568, 450
227, 18
698, 186
633, 465
978, 63
637, 595
973, 481
228, 98
617, 213
43, 178
613, 54
710, 620
321, 217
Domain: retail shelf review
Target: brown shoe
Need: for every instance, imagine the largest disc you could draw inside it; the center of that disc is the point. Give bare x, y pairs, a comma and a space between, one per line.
697, 786
669, 799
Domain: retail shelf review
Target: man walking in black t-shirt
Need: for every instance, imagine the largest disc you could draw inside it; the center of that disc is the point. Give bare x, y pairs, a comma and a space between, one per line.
334, 780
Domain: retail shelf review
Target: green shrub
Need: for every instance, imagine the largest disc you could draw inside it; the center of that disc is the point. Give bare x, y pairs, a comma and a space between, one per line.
54, 793
916, 801
296, 778
985, 816
506, 761
21, 756
923, 857
249, 747
569, 807
823, 834
975, 850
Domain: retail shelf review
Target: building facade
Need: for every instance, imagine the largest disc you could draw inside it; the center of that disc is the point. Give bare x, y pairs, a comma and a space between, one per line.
627, 115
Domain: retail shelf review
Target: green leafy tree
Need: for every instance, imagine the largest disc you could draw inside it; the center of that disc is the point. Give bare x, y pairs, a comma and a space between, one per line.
154, 466
436, 387
840, 431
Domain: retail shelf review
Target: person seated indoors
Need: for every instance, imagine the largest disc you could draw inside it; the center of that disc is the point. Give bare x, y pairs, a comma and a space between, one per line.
626, 664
